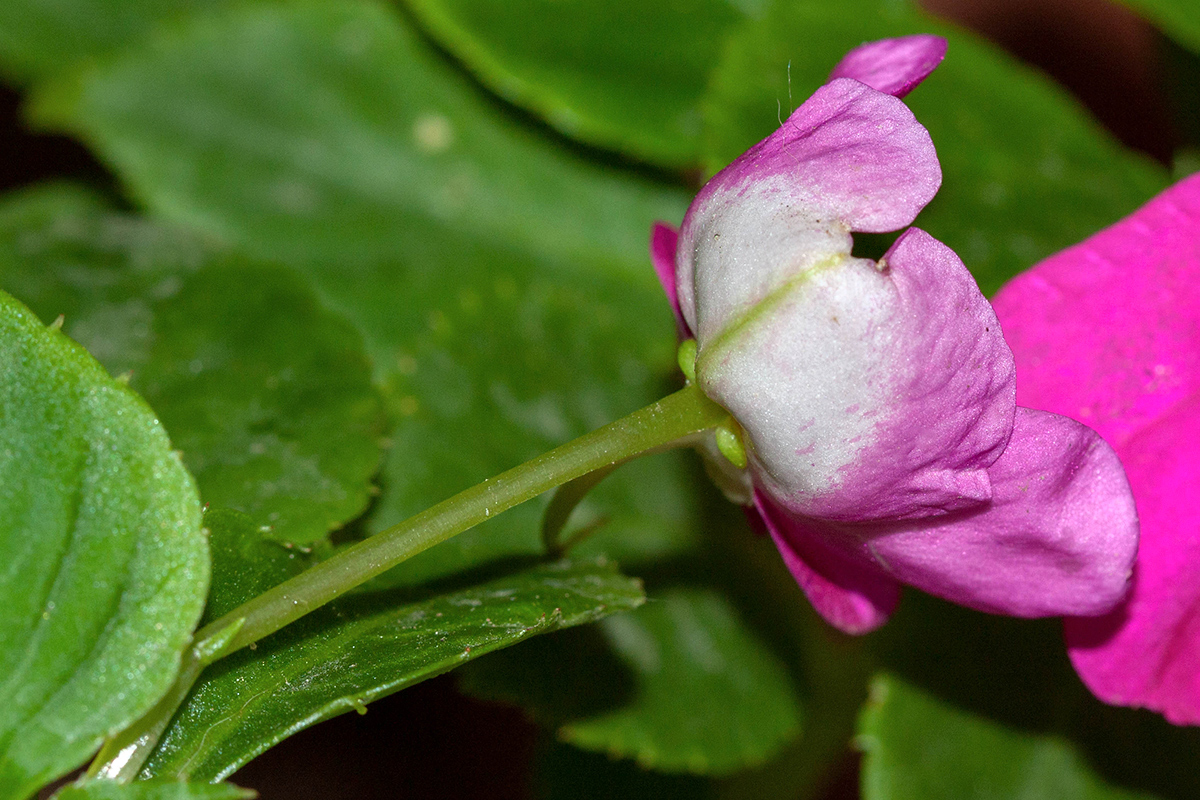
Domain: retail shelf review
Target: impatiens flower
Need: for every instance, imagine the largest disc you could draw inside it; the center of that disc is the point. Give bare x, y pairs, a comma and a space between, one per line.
875, 401
1108, 332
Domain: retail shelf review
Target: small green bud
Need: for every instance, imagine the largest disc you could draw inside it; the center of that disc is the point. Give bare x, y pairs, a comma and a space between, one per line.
687, 359
730, 442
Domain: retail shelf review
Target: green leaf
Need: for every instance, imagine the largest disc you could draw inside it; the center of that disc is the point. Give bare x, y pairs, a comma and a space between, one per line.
304, 134
244, 564
244, 367
152, 790
1025, 171
681, 686
41, 37
103, 568
1016, 673
503, 285
628, 75
1179, 19
923, 748
365, 647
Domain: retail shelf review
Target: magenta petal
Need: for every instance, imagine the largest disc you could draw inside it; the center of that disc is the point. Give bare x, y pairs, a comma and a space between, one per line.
893, 66
1059, 537
851, 595
1147, 653
664, 239
1108, 331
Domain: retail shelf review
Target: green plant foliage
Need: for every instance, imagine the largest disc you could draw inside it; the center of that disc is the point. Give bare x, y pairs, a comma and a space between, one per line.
922, 748
244, 564
503, 286
627, 75
680, 685
241, 363
365, 647
1179, 19
152, 790
103, 568
1025, 171
41, 37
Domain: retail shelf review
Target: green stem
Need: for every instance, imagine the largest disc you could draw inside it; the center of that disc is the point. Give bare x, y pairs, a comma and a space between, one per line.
673, 421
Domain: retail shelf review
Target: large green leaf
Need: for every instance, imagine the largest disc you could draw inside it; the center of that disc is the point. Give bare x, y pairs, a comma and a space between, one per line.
152, 790
243, 366
103, 568
921, 748
628, 75
41, 37
363, 648
503, 284
681, 685
1025, 171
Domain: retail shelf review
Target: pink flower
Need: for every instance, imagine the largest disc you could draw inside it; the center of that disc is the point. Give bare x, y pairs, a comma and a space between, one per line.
1108, 332
883, 443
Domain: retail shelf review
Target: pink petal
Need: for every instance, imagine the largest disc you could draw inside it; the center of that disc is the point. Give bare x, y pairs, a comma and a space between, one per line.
1108, 332
1058, 538
664, 240
849, 159
1147, 652
893, 66
871, 394
852, 595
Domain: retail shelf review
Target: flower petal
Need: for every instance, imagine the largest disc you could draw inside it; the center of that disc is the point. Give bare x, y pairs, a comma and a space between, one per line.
1108, 331
1147, 652
893, 66
849, 159
1059, 537
664, 240
852, 595
869, 394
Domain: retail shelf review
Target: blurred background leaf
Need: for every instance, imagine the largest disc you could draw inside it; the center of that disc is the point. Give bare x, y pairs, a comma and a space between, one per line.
679, 685
920, 748
244, 368
626, 75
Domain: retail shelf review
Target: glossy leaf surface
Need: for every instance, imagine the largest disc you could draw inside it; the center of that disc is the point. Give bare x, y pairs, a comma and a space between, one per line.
364, 647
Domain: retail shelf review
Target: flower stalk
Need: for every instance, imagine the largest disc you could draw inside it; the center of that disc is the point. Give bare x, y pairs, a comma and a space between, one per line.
676, 420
